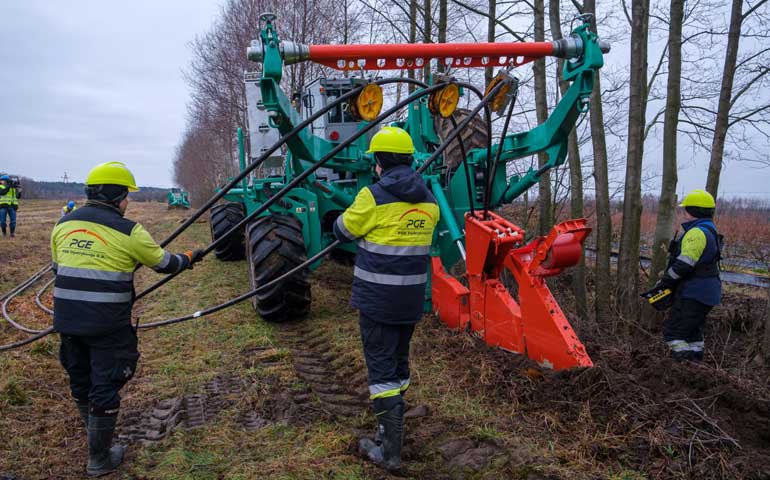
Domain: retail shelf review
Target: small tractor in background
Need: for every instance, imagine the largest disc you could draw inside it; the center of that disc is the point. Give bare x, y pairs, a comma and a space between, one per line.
325, 165
176, 198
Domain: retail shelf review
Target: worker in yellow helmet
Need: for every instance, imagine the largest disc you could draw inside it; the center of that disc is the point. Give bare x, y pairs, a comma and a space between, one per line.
95, 251
691, 278
392, 222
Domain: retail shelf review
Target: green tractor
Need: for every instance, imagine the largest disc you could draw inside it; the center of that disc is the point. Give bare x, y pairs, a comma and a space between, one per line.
176, 198
296, 194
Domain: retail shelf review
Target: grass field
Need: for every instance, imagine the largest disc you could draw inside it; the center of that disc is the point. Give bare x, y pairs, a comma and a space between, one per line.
230, 396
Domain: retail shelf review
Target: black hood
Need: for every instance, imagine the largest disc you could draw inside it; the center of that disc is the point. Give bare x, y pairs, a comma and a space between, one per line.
405, 184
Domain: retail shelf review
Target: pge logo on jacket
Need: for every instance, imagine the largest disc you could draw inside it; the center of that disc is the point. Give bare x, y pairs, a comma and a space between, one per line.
416, 222
81, 242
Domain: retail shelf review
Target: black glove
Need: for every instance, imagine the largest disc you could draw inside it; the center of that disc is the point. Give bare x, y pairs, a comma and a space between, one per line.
660, 297
194, 256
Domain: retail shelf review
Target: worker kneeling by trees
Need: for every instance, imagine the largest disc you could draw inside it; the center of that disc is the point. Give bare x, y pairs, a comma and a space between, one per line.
392, 222
690, 285
95, 252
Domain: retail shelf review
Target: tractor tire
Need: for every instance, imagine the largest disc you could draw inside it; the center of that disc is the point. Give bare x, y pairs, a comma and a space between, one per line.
223, 217
474, 136
275, 246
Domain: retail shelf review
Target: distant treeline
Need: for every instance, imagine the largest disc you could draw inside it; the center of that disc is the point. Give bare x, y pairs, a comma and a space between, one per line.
76, 191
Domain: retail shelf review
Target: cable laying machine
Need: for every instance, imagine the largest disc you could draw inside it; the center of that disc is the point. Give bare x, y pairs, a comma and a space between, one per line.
327, 165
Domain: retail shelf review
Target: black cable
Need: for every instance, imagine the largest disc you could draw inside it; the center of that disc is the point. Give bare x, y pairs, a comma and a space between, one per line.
455, 132
245, 296
262, 158
11, 295
465, 166
301, 177
40, 292
26, 341
490, 179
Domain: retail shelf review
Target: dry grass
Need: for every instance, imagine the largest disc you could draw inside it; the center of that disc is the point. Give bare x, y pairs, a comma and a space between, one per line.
473, 393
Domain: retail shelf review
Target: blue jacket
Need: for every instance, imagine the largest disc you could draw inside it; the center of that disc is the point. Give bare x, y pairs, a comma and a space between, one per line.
693, 264
392, 222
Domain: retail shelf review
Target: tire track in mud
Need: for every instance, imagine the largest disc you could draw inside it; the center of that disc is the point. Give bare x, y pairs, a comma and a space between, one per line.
335, 388
333, 377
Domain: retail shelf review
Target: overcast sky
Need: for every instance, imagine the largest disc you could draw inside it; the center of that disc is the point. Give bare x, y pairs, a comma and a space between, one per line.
84, 82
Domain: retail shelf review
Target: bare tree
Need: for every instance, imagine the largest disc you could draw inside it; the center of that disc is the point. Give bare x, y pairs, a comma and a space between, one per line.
602, 273
576, 174
726, 95
545, 221
664, 226
628, 260
489, 72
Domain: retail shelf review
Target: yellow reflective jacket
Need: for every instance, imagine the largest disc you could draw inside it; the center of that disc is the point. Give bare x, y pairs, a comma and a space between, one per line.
95, 252
392, 222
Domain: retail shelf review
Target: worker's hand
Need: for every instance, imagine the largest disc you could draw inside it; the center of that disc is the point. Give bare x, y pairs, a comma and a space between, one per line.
194, 256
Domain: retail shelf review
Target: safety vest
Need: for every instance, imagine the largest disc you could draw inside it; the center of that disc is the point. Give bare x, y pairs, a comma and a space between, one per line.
65, 210
699, 246
9, 198
392, 222
95, 252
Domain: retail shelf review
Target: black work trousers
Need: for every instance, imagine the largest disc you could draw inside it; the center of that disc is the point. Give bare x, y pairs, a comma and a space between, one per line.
386, 350
683, 328
99, 367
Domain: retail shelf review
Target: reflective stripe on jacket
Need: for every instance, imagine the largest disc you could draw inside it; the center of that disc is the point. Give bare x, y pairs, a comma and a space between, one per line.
95, 252
392, 223
693, 262
8, 196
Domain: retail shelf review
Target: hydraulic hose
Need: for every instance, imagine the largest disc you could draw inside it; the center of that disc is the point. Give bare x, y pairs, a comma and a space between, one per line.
245, 296
492, 167
301, 177
26, 341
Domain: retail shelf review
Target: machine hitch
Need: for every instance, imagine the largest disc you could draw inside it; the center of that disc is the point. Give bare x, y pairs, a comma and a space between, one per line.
526, 319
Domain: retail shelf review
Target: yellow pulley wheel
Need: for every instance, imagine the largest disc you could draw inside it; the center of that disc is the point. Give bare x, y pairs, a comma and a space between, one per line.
368, 103
444, 102
501, 99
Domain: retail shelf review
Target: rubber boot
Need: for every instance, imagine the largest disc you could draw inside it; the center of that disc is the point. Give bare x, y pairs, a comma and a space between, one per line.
83, 411
103, 458
13, 231
390, 428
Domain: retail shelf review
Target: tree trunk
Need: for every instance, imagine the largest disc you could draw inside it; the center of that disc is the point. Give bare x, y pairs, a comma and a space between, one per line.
602, 272
664, 227
575, 173
428, 25
765, 346
442, 15
628, 261
725, 96
489, 72
545, 220
412, 38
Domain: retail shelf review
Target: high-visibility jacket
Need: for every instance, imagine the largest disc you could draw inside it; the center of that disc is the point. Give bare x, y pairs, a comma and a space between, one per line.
65, 210
95, 252
693, 262
393, 223
8, 197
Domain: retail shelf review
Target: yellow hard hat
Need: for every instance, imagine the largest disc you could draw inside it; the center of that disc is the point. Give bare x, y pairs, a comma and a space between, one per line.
392, 140
112, 173
698, 198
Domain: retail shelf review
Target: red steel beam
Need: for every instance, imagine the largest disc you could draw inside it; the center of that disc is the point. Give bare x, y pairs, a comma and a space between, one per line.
412, 56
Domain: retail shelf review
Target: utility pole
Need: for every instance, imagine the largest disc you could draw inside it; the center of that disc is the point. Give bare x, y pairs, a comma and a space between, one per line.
65, 178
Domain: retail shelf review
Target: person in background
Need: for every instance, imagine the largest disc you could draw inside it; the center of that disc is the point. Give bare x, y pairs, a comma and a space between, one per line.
69, 208
95, 251
9, 203
690, 285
